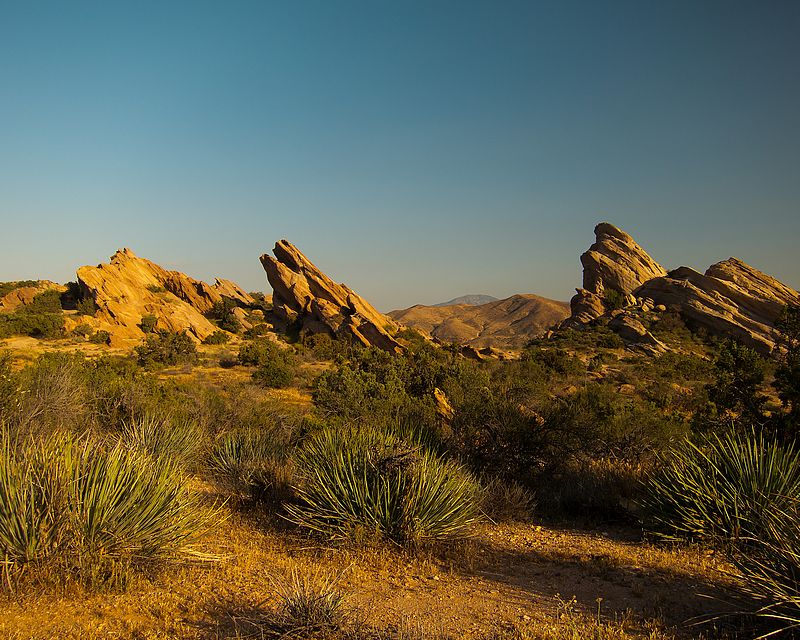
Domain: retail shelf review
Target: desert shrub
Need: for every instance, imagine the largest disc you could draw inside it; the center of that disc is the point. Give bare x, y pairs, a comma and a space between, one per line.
86, 306
252, 464
275, 366
507, 501
52, 391
100, 337
45, 302
8, 385
257, 330
8, 287
166, 348
218, 337
83, 330
156, 288
223, 312
36, 325
324, 347
309, 604
118, 391
148, 323
613, 299
357, 484
181, 441
90, 511
787, 374
554, 360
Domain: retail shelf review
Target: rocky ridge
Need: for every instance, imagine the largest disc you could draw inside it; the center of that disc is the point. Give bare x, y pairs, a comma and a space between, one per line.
129, 288
730, 299
303, 295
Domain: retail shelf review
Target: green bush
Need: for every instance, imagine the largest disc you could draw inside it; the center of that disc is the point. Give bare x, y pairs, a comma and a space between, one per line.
86, 306
218, 337
275, 366
613, 299
9, 384
148, 323
90, 511
100, 337
35, 325
83, 330
166, 348
357, 484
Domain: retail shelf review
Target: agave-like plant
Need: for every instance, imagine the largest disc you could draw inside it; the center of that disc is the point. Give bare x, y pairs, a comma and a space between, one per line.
178, 440
365, 482
721, 489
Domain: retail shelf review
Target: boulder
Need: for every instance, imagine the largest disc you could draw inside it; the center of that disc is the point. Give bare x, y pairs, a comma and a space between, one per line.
304, 294
635, 335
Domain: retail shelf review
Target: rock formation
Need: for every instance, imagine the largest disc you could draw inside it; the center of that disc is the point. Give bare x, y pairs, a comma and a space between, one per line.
24, 295
304, 294
730, 299
613, 263
130, 287
505, 324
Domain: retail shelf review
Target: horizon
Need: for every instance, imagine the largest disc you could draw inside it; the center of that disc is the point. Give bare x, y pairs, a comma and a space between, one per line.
478, 143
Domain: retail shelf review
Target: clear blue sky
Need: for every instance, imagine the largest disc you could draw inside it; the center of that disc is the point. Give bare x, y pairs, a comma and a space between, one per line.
414, 150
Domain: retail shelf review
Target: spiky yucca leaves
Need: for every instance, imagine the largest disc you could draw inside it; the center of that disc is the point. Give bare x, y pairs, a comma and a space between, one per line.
91, 511
32, 500
720, 490
180, 441
252, 464
364, 482
309, 603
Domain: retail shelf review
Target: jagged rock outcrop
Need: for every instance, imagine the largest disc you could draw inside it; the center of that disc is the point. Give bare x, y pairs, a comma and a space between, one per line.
635, 335
129, 288
22, 296
614, 262
731, 298
304, 294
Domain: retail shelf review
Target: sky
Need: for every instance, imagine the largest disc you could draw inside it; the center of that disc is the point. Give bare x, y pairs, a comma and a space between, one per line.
416, 151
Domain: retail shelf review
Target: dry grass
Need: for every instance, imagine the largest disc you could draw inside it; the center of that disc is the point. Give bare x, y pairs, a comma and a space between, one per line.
517, 582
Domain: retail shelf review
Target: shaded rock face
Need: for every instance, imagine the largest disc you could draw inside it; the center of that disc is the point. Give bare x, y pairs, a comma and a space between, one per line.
615, 261
304, 294
731, 298
129, 287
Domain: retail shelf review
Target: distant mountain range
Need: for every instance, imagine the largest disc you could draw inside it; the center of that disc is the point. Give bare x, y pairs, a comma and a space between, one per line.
470, 299
507, 324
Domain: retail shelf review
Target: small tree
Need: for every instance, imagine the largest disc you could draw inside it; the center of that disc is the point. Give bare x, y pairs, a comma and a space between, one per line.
787, 375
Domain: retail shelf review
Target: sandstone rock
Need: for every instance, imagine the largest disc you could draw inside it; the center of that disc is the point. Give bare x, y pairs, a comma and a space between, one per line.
731, 298
634, 334
25, 295
129, 287
614, 262
303, 293
443, 407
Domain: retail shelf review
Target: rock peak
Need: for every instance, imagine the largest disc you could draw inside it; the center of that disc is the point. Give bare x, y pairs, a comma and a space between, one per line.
304, 294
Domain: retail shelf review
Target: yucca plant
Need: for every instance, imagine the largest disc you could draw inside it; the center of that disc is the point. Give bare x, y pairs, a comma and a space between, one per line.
180, 441
252, 464
720, 490
92, 511
365, 482
309, 603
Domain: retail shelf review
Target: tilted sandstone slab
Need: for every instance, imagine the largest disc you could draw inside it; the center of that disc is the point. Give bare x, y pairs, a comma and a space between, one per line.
731, 298
129, 288
615, 261
303, 293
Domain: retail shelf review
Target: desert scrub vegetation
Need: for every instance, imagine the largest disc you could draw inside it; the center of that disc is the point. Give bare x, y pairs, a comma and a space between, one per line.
75, 508
739, 492
276, 366
365, 483
42, 318
164, 348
